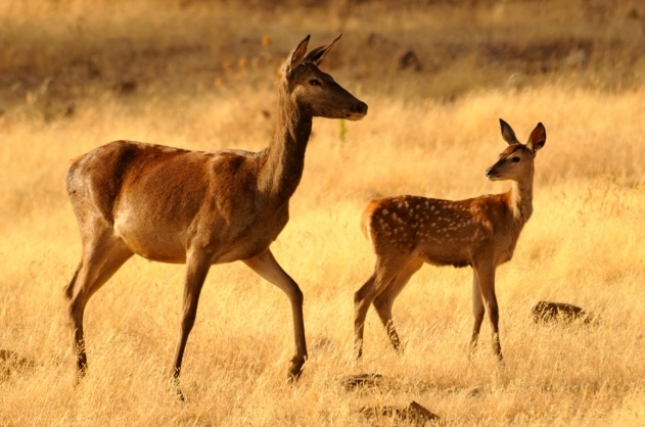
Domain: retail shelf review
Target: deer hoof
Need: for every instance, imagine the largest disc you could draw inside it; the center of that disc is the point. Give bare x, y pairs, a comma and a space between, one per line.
295, 368
176, 389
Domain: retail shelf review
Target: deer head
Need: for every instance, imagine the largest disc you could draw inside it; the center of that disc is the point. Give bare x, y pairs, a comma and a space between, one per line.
316, 93
516, 162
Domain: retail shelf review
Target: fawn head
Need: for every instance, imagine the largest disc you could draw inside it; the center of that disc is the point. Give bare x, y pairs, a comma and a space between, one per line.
315, 92
517, 160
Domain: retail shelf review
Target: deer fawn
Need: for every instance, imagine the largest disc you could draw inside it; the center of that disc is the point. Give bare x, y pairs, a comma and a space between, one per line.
408, 231
201, 208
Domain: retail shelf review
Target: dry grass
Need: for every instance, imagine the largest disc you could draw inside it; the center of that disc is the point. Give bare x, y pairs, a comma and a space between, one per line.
431, 132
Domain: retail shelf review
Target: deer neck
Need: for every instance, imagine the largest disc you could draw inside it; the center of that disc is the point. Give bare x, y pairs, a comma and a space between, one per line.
520, 198
282, 162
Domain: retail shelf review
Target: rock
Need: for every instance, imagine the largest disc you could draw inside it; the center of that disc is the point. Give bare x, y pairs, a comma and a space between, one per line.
126, 87
10, 361
414, 413
419, 414
409, 59
353, 382
559, 312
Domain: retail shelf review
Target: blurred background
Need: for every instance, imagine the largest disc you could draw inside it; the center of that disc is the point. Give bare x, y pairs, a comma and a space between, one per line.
56, 53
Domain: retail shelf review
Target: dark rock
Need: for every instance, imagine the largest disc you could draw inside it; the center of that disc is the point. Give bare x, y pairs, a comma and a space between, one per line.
10, 361
559, 312
353, 382
127, 87
414, 413
409, 60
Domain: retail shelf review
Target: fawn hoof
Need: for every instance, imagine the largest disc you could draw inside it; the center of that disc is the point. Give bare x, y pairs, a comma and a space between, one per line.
399, 350
176, 389
81, 371
358, 352
295, 368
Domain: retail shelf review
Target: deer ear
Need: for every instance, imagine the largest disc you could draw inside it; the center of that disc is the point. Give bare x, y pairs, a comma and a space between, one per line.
537, 139
295, 57
318, 54
507, 133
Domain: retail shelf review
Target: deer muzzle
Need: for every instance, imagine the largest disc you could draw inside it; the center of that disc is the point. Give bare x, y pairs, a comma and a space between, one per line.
492, 174
357, 111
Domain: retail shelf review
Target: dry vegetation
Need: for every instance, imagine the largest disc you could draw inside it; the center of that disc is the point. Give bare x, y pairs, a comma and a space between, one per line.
201, 75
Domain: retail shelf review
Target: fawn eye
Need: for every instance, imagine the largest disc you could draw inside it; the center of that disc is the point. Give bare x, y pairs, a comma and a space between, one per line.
314, 82
515, 159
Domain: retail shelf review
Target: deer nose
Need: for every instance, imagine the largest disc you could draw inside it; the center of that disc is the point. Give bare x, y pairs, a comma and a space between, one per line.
490, 173
357, 111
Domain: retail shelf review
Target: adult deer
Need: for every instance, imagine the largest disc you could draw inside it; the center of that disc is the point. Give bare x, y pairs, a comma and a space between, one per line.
201, 208
408, 231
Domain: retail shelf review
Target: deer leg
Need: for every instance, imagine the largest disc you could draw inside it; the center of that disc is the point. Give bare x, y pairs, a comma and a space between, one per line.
362, 300
478, 311
385, 300
197, 266
486, 278
69, 290
384, 273
100, 261
266, 266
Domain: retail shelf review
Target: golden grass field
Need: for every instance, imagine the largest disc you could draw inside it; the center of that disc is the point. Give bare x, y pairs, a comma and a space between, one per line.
202, 75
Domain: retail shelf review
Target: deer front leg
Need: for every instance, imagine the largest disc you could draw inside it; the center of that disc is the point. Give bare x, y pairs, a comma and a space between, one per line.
268, 268
197, 267
478, 312
486, 277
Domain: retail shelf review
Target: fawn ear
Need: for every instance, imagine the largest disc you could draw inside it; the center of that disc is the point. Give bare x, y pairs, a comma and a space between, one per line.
537, 139
507, 133
318, 54
295, 57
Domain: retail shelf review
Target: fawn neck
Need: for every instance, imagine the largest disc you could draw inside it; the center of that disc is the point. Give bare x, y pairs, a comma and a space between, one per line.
282, 162
520, 197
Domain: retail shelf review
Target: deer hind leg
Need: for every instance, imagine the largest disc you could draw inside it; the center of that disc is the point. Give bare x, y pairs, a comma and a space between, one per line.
101, 259
385, 300
362, 300
266, 266
69, 290
486, 280
385, 272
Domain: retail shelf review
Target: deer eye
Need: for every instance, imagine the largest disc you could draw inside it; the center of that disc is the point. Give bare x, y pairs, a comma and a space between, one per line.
515, 159
314, 82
